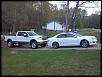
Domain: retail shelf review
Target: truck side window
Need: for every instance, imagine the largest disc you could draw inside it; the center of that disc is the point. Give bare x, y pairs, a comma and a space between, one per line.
19, 34
24, 33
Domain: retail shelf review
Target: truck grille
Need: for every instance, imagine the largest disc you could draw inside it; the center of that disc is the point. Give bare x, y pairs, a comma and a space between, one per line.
44, 38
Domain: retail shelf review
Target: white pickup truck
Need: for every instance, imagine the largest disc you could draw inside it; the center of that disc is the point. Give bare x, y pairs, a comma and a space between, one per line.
26, 37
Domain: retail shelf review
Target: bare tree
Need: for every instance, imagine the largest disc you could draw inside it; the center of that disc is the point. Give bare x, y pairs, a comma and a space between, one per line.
67, 17
75, 13
75, 16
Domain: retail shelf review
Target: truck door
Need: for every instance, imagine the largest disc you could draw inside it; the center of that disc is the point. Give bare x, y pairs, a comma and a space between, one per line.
21, 38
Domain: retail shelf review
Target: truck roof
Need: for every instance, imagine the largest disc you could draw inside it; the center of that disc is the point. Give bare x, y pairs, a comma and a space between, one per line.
25, 31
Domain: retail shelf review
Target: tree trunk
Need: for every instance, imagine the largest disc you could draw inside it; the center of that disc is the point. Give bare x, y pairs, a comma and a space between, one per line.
67, 17
75, 16
14, 21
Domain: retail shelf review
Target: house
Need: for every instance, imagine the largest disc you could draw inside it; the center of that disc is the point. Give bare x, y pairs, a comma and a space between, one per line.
54, 26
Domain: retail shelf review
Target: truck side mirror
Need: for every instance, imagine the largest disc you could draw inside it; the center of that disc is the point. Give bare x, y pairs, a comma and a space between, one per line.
25, 35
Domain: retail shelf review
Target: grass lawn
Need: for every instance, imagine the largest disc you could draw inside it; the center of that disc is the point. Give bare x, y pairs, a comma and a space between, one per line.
58, 62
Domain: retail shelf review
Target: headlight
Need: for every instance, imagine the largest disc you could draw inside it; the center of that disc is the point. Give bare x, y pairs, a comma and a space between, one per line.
94, 38
40, 38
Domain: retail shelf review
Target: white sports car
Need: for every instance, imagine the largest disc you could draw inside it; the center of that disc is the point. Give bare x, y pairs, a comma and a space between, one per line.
71, 39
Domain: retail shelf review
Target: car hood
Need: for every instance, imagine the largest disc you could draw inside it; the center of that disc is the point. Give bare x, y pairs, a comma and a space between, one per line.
88, 37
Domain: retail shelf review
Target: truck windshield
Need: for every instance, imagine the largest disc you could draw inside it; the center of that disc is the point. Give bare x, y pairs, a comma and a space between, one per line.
32, 33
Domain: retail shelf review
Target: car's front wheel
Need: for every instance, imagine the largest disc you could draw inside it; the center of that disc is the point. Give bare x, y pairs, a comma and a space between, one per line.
55, 45
34, 45
84, 43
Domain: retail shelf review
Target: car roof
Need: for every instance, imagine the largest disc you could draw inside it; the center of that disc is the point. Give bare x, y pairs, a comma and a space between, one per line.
67, 33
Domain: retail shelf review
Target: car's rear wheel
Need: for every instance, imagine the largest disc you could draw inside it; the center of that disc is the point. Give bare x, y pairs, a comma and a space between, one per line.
55, 45
84, 43
34, 45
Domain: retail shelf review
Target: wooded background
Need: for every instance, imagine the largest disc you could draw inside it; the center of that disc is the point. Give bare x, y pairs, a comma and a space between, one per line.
26, 15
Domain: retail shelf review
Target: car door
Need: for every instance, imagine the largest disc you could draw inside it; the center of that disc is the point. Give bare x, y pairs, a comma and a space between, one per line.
61, 39
72, 40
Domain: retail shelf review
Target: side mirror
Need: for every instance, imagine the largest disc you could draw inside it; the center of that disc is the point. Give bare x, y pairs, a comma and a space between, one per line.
25, 35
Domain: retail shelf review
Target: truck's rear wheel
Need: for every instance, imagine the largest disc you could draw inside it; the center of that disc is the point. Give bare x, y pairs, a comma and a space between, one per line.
34, 45
9, 44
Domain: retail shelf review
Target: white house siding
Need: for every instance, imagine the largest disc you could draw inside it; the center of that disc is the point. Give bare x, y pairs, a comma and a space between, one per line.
54, 26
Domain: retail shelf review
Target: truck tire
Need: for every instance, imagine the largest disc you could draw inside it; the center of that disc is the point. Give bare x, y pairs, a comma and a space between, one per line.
34, 45
9, 43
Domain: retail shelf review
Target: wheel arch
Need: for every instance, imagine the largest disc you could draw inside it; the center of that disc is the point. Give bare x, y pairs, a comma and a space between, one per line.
33, 40
84, 40
55, 42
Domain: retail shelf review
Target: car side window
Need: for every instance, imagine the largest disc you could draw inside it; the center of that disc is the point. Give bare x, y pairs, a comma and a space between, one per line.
62, 36
70, 35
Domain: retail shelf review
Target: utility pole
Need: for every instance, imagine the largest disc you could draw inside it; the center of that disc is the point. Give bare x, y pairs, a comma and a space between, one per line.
67, 17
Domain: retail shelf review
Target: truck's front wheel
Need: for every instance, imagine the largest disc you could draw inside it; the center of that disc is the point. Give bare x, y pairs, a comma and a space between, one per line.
9, 44
34, 45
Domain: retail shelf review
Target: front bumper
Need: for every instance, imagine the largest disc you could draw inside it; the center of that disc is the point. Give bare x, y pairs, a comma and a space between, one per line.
94, 42
42, 41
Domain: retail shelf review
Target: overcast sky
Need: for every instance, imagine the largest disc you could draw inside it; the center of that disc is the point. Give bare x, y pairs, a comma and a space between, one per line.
96, 4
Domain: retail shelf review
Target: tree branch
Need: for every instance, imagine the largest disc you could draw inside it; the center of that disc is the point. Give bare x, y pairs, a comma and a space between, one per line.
87, 7
82, 3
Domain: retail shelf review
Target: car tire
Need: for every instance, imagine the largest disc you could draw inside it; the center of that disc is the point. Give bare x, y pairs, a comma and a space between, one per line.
55, 45
34, 45
9, 43
84, 44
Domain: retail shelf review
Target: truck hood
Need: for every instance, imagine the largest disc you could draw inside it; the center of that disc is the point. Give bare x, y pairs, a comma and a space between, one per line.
36, 36
40, 36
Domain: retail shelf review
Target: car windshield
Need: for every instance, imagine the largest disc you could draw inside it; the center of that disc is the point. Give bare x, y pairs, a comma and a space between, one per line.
32, 33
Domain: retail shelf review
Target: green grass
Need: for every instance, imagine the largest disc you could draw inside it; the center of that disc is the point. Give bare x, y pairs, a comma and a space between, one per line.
58, 62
